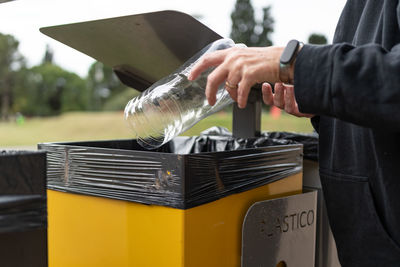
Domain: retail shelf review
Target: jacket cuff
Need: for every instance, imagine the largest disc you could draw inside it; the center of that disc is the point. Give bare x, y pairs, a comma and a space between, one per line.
312, 74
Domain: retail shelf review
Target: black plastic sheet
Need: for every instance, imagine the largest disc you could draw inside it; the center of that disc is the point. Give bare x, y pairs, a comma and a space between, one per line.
184, 173
225, 141
309, 142
20, 213
22, 191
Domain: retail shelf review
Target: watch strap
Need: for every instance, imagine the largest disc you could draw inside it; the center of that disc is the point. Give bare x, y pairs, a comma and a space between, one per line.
287, 59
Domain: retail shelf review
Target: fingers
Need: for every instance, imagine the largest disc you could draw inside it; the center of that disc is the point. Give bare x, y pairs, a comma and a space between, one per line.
233, 78
243, 92
243, 67
222, 74
233, 93
205, 62
214, 80
291, 105
217, 77
290, 102
283, 98
267, 94
279, 95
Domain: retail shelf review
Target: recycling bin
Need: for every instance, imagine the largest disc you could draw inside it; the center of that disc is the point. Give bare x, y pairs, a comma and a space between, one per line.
23, 217
111, 203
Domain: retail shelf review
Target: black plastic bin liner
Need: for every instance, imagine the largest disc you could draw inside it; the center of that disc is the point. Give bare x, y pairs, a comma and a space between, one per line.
226, 142
309, 142
184, 173
23, 209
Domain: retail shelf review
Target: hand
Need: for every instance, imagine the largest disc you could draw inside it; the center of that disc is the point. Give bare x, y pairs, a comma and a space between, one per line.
283, 98
240, 67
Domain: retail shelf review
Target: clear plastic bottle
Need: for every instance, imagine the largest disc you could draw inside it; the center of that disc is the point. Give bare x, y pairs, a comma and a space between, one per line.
174, 104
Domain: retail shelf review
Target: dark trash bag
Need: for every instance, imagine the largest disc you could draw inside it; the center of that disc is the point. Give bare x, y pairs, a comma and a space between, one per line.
220, 139
309, 142
217, 139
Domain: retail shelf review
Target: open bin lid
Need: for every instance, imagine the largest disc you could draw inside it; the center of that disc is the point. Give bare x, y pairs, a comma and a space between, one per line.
141, 48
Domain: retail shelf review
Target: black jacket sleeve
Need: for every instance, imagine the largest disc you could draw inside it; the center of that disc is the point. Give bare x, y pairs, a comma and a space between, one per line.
360, 84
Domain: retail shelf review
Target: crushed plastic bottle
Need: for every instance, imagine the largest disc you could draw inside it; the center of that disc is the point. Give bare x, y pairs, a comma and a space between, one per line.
174, 104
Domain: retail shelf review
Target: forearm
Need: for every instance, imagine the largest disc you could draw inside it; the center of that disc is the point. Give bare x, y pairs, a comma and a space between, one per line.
356, 84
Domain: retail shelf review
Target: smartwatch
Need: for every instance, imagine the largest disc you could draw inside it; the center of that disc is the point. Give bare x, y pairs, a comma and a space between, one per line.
287, 59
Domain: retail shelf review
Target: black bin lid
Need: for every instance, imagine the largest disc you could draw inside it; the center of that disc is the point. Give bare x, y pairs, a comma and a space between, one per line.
141, 48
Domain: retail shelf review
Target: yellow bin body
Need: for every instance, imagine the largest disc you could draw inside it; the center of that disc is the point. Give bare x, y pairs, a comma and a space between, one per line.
94, 231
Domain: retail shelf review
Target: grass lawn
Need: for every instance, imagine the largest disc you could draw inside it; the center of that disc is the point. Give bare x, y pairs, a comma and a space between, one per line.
78, 126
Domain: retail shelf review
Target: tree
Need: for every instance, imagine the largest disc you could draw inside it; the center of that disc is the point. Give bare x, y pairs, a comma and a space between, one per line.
48, 89
317, 38
264, 38
243, 22
11, 61
48, 55
104, 86
245, 29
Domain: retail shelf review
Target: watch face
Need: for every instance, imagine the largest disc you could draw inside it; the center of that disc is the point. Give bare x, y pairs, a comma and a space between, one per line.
289, 51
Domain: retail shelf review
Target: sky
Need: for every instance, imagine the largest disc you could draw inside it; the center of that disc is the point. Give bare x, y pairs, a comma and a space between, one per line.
294, 19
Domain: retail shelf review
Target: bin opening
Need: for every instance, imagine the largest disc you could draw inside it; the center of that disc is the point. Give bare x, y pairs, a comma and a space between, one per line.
215, 139
218, 139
